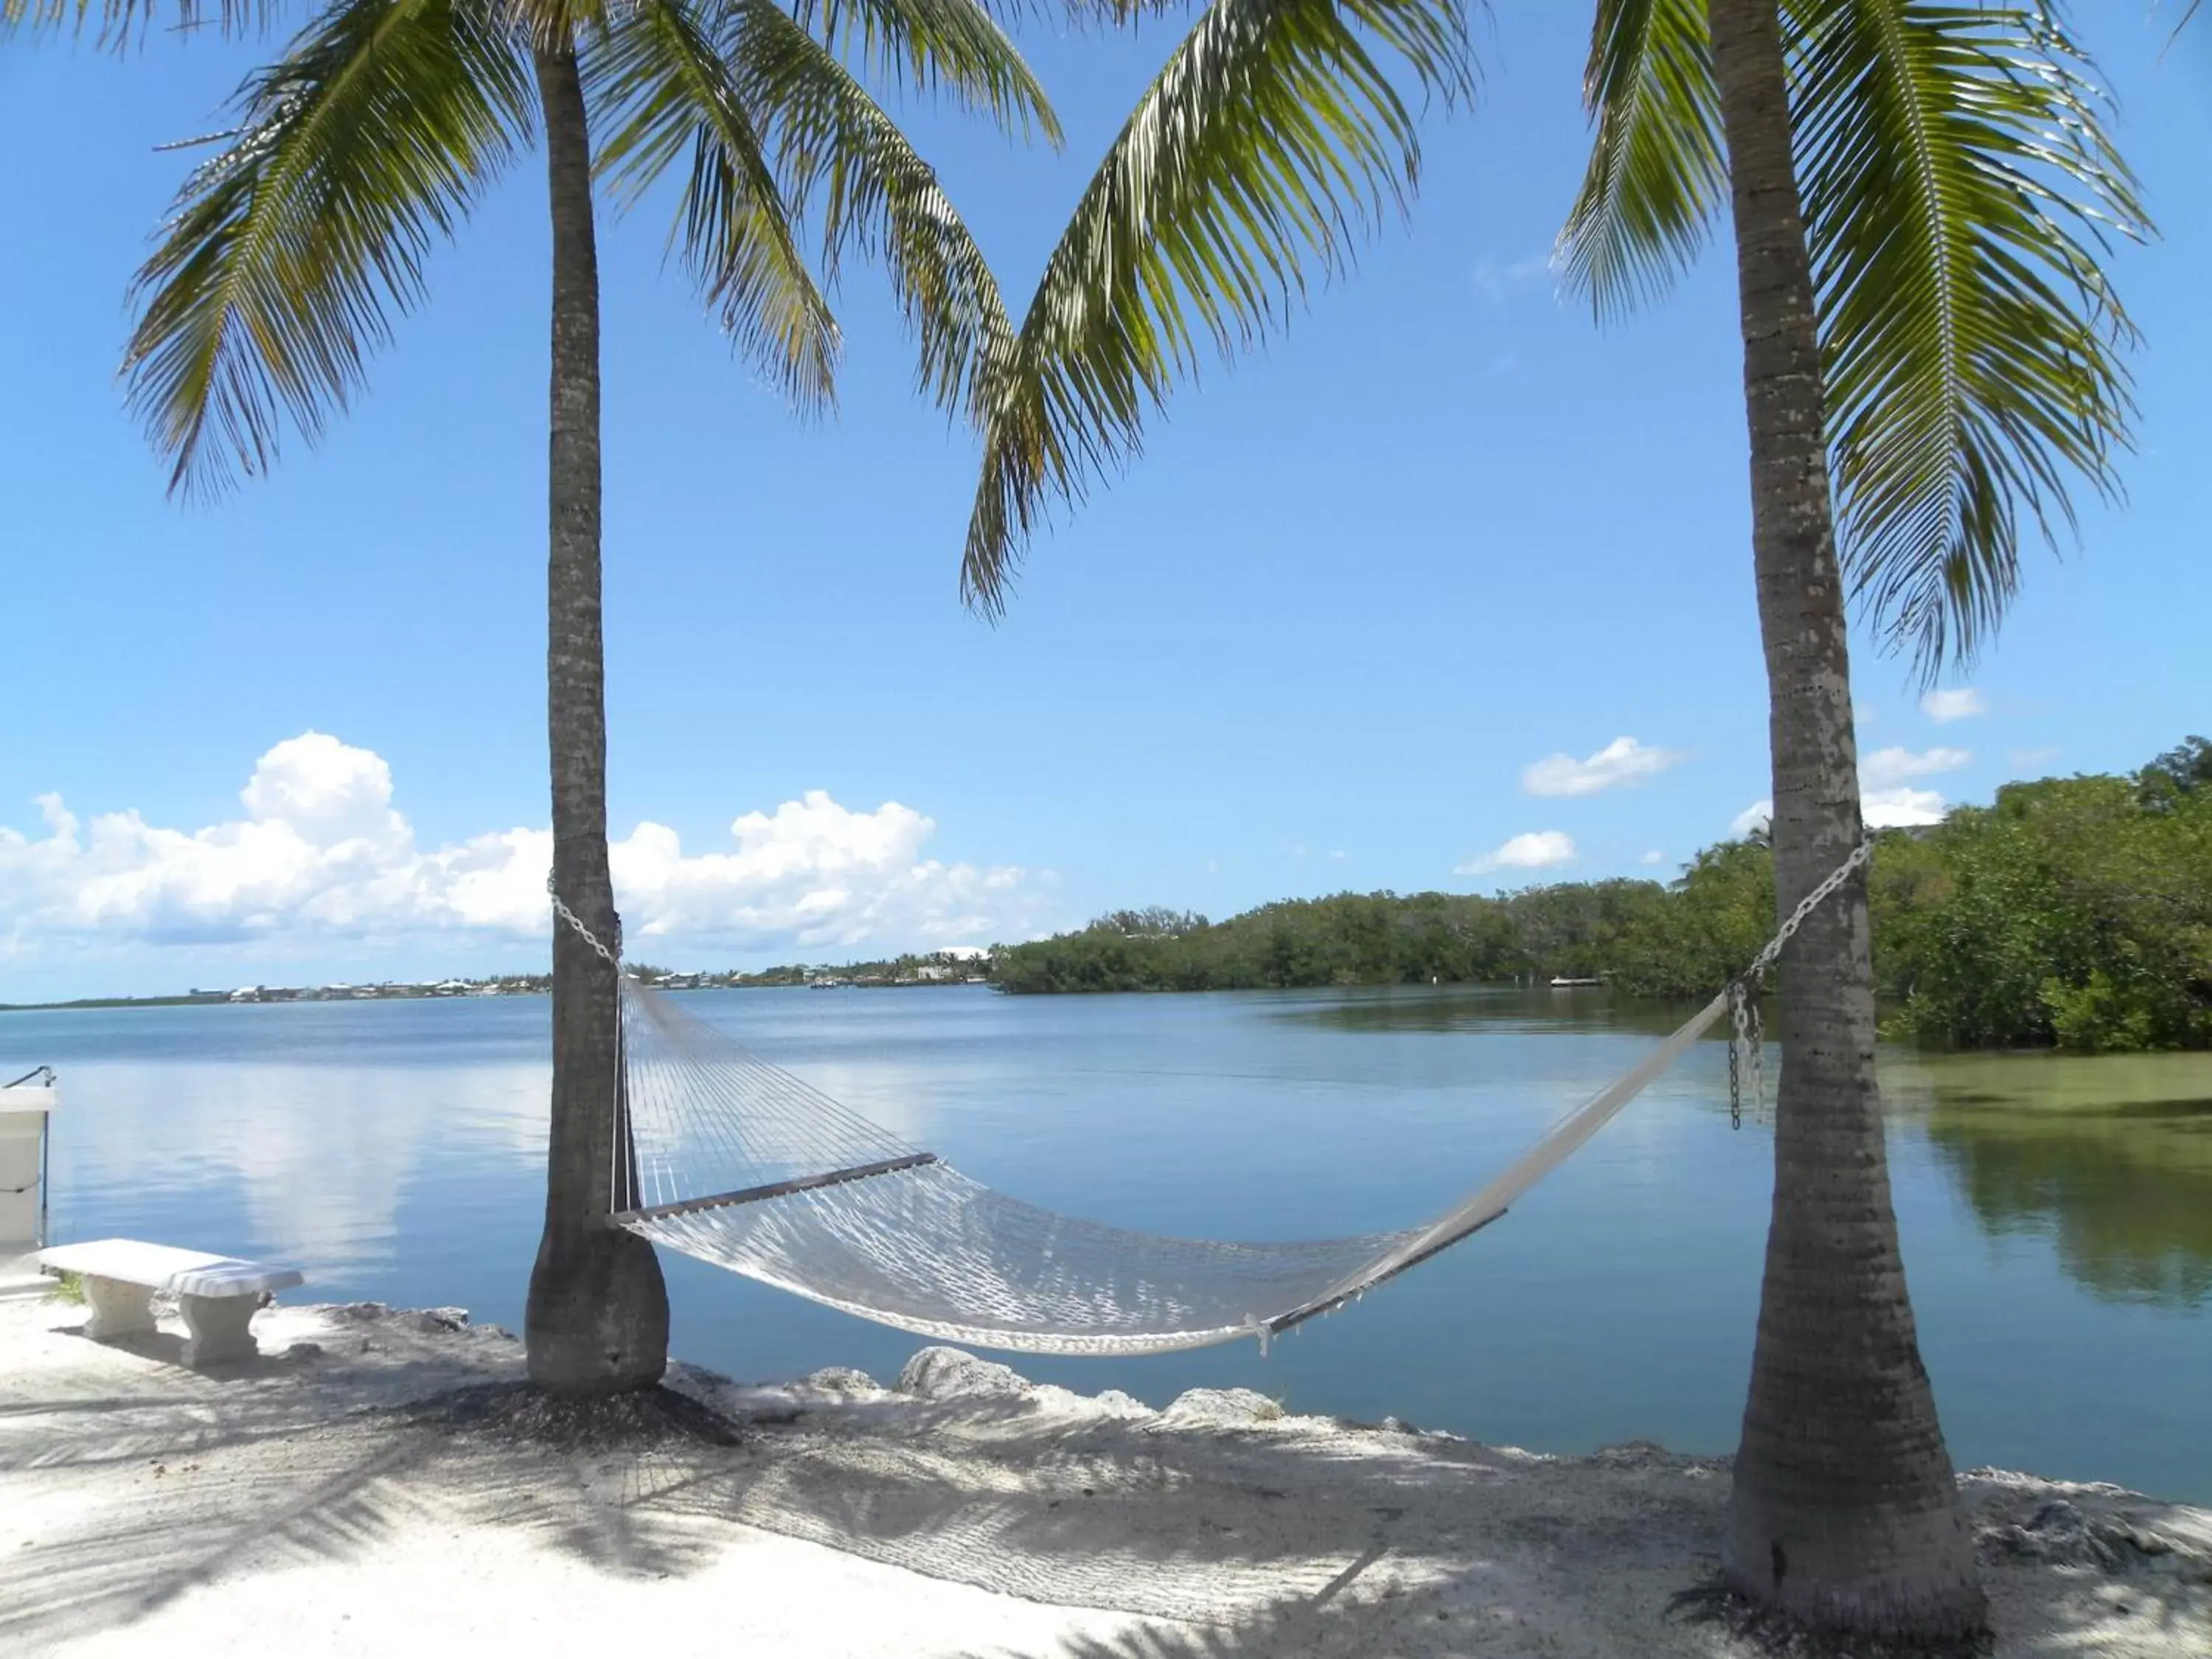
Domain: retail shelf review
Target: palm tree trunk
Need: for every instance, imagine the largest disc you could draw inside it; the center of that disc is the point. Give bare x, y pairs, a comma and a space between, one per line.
598, 1315
1845, 1512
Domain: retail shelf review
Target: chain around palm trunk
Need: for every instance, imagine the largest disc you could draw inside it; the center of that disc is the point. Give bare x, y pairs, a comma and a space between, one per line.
612, 958
619, 1161
1747, 1054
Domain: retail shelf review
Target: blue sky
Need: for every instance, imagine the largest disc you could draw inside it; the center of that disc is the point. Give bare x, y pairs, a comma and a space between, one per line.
1443, 533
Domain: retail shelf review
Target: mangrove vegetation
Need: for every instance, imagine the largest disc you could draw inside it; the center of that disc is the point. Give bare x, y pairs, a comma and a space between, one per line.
2072, 912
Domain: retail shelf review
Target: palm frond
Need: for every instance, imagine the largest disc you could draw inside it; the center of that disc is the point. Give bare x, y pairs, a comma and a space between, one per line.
1960, 189
1657, 169
668, 96
121, 23
929, 45
1270, 142
844, 162
286, 254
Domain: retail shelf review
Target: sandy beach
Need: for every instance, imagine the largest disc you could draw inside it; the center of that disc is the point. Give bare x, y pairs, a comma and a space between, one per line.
339, 1497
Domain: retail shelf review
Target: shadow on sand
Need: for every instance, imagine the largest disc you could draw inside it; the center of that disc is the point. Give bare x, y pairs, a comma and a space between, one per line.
1291, 1538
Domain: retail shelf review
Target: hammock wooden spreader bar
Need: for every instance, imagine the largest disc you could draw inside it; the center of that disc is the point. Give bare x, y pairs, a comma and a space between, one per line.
772, 1190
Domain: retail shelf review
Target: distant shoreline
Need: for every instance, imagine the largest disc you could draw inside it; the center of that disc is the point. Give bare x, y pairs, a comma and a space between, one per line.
426, 994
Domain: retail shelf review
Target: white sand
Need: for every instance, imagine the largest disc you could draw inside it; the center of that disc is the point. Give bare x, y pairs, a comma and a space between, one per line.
146, 1509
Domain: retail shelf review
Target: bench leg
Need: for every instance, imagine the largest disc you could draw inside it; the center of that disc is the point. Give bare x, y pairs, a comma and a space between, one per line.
219, 1327
118, 1308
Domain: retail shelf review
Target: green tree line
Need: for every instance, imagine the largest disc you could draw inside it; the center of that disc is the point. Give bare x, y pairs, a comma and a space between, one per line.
2075, 912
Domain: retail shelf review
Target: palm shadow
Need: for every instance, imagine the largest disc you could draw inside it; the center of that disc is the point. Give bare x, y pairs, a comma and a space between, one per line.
1229, 1544
178, 1478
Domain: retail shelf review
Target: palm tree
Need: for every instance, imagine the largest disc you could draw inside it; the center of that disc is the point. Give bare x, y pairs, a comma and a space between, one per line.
1917, 193
290, 250
1917, 190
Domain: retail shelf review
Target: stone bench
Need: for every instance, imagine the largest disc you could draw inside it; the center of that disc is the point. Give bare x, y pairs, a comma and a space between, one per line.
218, 1295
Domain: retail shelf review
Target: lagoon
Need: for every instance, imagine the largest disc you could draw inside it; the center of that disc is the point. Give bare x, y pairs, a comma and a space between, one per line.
2057, 1213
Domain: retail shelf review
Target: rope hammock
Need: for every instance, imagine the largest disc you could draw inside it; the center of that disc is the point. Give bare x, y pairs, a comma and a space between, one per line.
726, 1157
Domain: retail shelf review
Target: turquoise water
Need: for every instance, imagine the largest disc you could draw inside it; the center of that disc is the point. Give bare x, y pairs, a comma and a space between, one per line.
2057, 1214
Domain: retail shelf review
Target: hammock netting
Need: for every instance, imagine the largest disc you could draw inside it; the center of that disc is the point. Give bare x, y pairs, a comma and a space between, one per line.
739, 1163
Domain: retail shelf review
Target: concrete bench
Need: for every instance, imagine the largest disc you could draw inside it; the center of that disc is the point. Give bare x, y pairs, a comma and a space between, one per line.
218, 1295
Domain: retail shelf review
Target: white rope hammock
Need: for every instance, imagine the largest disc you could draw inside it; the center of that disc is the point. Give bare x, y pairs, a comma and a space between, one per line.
726, 1157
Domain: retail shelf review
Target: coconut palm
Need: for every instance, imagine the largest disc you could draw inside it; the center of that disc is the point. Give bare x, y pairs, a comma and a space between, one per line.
1919, 195
289, 251
1917, 191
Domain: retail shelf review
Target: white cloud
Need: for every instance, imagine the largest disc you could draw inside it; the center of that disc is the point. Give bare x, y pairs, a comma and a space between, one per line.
1654, 856
1622, 761
1959, 703
1539, 849
322, 853
1900, 809
1885, 769
1884, 798
1884, 809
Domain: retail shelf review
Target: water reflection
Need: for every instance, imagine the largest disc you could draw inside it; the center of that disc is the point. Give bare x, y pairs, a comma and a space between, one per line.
2057, 1213
2110, 1157
316, 1159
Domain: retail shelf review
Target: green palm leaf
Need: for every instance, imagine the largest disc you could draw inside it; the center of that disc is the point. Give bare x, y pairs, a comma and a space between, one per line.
1657, 169
1271, 141
668, 96
840, 158
952, 44
120, 22
1959, 187
286, 253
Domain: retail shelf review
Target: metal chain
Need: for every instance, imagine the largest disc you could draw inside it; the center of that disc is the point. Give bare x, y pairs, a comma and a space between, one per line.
1739, 996
1806, 906
613, 959
1758, 1060
1746, 1047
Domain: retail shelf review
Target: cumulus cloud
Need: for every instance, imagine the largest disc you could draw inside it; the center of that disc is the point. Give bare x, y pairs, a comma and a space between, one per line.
1957, 704
1902, 809
1884, 809
1621, 762
1539, 849
1886, 769
1654, 856
1884, 796
322, 851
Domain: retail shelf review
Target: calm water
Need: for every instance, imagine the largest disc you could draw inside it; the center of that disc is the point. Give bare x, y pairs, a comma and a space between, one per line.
2056, 1213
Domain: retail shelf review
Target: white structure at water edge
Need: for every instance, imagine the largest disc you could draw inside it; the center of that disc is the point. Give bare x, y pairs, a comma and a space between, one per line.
25, 1111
